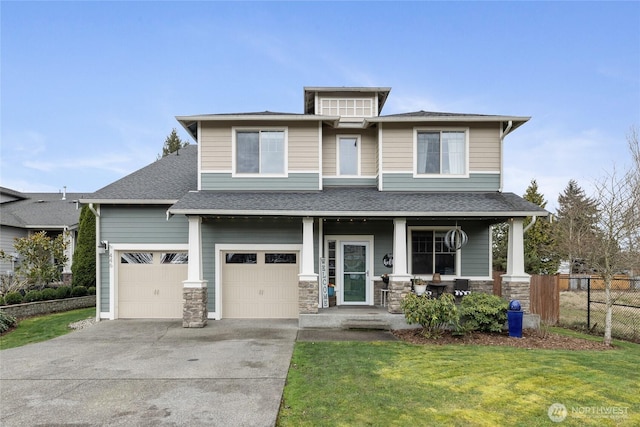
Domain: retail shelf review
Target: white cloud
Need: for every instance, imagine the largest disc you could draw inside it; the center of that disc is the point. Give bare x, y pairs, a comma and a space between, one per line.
117, 163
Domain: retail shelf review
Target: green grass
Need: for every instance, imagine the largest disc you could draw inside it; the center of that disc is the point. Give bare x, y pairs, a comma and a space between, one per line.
42, 328
400, 384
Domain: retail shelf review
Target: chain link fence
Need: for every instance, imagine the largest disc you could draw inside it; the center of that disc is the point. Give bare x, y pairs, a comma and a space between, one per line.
584, 306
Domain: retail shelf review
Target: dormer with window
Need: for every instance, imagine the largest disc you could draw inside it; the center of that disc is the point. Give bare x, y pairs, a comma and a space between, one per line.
353, 105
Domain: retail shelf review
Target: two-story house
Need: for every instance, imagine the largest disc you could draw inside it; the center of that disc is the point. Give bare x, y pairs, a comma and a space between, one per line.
269, 208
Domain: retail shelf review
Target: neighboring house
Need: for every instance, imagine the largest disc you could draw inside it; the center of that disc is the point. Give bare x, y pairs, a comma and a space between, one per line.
268, 207
22, 214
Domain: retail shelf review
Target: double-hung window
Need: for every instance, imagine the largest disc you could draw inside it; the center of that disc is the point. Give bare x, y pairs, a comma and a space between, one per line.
429, 254
260, 152
441, 152
348, 155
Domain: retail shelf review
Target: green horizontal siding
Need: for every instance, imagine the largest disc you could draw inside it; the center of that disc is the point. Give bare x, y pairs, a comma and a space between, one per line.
136, 224
295, 181
104, 283
475, 182
382, 232
476, 253
142, 225
349, 182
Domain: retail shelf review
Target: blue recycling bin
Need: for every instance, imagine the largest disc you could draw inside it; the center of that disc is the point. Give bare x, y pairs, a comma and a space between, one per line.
514, 319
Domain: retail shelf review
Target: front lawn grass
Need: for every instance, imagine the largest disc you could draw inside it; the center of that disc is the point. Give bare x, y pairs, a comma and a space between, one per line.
400, 384
42, 328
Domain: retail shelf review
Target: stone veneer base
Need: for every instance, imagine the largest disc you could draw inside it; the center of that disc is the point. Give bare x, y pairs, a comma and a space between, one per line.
307, 296
194, 314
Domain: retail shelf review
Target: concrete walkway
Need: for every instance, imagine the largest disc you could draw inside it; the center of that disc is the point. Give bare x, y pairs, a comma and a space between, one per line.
150, 373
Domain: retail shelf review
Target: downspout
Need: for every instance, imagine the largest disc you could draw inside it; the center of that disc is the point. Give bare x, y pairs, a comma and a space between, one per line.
533, 221
503, 134
98, 266
93, 209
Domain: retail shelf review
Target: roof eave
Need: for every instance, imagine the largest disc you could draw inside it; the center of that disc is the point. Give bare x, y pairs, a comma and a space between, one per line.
226, 212
257, 117
517, 121
129, 201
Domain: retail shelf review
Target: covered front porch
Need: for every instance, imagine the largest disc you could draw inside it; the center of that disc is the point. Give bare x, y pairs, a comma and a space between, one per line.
377, 237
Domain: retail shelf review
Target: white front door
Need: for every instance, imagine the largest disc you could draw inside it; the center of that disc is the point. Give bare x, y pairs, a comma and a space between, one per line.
353, 276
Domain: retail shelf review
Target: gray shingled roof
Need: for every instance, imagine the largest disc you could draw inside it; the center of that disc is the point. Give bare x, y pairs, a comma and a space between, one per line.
164, 181
423, 113
359, 201
41, 210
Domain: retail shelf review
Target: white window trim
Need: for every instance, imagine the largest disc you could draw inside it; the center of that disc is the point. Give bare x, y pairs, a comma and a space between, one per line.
352, 238
359, 146
236, 129
410, 231
416, 130
372, 108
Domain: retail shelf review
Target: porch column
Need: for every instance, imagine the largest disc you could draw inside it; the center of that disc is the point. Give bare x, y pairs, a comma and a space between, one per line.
516, 282
400, 280
307, 279
194, 314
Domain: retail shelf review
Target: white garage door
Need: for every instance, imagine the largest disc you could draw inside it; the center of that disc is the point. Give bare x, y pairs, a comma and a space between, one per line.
260, 284
150, 284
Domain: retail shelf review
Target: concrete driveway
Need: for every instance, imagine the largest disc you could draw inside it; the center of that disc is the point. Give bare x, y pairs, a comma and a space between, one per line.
150, 373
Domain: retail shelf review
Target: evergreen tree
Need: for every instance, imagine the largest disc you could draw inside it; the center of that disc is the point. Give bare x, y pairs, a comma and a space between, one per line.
575, 227
540, 255
84, 257
173, 143
500, 242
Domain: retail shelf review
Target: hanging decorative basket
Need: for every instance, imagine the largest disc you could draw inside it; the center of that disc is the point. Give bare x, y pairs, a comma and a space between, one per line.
455, 239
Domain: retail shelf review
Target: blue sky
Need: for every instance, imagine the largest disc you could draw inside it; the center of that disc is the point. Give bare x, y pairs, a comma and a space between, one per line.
90, 90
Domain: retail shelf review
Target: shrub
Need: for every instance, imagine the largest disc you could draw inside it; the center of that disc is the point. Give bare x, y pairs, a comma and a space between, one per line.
78, 291
6, 322
1, 300
63, 292
91, 290
13, 298
434, 314
33, 296
483, 312
49, 294
84, 257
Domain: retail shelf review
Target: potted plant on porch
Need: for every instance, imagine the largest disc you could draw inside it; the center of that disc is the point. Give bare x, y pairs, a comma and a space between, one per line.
419, 286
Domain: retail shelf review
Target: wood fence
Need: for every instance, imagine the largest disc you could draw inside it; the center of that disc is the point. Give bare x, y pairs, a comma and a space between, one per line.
544, 295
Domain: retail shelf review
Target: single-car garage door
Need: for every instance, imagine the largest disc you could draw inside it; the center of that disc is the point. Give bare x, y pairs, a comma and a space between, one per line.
260, 284
150, 284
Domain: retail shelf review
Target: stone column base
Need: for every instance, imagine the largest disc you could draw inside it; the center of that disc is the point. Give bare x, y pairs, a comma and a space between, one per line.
398, 290
307, 296
195, 313
517, 290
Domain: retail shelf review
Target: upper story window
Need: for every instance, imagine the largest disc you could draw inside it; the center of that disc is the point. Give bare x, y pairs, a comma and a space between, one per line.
260, 152
348, 155
441, 152
347, 107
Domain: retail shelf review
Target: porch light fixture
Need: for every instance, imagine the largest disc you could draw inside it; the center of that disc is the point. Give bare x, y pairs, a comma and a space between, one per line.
103, 246
455, 239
